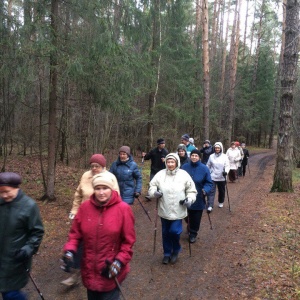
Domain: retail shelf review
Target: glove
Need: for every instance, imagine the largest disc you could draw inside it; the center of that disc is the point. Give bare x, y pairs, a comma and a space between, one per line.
136, 195
187, 202
68, 260
111, 269
158, 194
224, 173
21, 255
71, 216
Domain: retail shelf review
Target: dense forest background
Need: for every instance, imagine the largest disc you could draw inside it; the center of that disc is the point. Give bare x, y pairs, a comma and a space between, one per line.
79, 77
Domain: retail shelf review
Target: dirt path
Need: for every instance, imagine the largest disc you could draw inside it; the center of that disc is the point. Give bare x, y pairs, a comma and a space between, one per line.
220, 261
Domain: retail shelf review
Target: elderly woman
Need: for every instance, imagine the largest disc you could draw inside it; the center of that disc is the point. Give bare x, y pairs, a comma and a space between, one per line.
234, 156
175, 190
128, 175
82, 193
182, 153
105, 225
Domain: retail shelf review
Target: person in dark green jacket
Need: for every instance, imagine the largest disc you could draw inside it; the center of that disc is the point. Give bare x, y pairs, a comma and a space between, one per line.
21, 232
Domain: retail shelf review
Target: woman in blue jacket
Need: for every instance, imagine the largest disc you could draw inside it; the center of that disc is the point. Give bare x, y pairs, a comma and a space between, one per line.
201, 177
128, 175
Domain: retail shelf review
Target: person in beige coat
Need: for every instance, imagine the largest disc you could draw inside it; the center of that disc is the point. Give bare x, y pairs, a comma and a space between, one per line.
175, 190
83, 192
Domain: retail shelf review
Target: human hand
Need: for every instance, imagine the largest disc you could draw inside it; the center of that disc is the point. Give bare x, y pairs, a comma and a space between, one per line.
187, 202
203, 192
158, 194
68, 260
21, 255
224, 173
136, 195
111, 269
71, 216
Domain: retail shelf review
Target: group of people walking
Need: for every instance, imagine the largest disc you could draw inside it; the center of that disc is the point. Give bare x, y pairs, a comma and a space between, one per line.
102, 234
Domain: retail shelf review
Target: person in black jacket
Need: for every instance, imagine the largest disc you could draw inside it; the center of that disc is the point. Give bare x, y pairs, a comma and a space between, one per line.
21, 232
206, 151
245, 158
157, 156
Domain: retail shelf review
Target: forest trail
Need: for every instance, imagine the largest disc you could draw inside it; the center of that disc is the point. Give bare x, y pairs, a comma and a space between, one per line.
220, 264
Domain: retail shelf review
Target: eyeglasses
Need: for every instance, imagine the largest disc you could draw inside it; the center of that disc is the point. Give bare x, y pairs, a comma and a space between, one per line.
95, 166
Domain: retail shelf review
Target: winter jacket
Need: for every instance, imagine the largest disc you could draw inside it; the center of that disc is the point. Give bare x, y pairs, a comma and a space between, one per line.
129, 178
184, 160
107, 232
245, 158
234, 156
175, 185
189, 149
85, 189
201, 177
20, 228
206, 152
156, 156
242, 155
217, 164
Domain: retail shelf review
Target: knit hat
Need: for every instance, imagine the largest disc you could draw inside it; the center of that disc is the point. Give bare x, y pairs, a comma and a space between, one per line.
196, 151
160, 141
207, 142
243, 144
175, 157
125, 149
10, 179
102, 179
98, 159
181, 146
237, 143
185, 137
191, 140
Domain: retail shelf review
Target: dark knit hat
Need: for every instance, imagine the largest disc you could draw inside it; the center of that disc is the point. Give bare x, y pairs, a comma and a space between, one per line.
181, 146
185, 137
10, 179
98, 159
160, 141
207, 142
125, 149
196, 151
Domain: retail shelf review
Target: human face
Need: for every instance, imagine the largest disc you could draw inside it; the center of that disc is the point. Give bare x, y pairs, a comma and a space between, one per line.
195, 157
181, 153
102, 193
161, 146
96, 168
217, 149
233, 146
123, 156
171, 164
185, 142
8, 193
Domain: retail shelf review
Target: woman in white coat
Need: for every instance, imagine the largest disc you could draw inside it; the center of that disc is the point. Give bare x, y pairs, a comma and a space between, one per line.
176, 191
234, 156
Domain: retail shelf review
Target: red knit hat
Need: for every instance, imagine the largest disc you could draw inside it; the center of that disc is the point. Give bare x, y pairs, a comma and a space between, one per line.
98, 159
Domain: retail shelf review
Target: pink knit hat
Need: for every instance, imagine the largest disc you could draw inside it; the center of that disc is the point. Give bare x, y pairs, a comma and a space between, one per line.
98, 159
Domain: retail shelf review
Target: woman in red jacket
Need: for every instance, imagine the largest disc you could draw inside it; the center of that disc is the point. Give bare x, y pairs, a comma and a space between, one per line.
105, 224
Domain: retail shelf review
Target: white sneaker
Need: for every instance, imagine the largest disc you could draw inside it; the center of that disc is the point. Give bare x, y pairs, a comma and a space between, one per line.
221, 205
209, 208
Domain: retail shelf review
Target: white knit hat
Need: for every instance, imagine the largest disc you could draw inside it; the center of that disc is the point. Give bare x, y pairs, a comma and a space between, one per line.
102, 179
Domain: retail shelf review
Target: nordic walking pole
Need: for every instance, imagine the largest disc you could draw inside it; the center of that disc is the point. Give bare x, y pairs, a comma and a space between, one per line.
119, 287
146, 212
36, 287
155, 226
190, 248
208, 214
248, 165
226, 187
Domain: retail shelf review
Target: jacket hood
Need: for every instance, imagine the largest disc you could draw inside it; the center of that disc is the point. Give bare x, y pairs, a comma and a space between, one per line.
115, 198
174, 156
220, 145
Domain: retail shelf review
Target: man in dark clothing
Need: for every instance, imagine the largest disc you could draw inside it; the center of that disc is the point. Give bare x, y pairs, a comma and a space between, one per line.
21, 232
245, 158
206, 151
157, 156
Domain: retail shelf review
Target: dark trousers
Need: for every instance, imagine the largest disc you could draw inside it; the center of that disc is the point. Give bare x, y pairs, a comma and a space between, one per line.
232, 175
221, 193
14, 295
111, 295
244, 167
194, 220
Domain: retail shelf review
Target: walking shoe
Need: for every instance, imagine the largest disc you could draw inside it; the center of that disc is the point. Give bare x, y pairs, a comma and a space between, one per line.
174, 258
192, 239
166, 260
147, 197
72, 280
209, 209
221, 205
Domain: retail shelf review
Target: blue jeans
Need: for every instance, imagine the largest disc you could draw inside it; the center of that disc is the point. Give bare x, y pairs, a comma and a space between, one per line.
14, 295
171, 230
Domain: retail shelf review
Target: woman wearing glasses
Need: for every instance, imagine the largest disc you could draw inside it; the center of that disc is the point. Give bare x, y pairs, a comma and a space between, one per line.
83, 192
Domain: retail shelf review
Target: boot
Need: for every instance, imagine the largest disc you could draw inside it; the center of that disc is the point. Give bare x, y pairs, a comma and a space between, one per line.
72, 280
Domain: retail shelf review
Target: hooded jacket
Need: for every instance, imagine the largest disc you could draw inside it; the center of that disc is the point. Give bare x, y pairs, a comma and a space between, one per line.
85, 188
218, 163
129, 178
20, 228
107, 232
175, 185
201, 177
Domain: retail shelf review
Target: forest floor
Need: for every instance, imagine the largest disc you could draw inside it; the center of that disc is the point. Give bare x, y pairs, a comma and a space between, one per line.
252, 252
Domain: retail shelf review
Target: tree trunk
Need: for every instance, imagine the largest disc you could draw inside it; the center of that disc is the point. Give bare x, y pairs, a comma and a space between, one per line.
52, 131
284, 162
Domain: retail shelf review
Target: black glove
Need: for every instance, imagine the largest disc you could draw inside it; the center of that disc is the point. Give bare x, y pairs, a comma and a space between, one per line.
224, 173
21, 255
136, 195
187, 202
68, 260
111, 270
